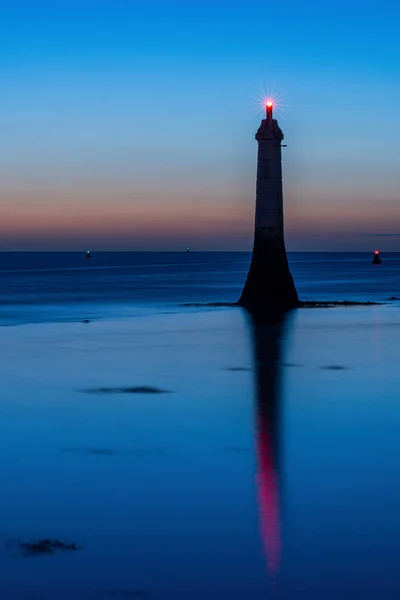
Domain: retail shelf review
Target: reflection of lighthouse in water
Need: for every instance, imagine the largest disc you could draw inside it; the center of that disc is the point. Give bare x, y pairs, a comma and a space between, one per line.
266, 340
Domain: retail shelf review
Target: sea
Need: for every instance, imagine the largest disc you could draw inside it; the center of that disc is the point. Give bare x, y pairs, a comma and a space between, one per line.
59, 286
156, 445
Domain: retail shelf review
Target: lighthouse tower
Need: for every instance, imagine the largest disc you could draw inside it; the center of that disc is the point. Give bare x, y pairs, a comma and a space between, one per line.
269, 287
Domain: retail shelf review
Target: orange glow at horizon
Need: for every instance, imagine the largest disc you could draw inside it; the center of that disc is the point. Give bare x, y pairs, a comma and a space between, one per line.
316, 217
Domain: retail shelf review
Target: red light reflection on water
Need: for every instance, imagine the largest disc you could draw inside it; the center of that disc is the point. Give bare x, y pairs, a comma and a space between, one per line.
268, 496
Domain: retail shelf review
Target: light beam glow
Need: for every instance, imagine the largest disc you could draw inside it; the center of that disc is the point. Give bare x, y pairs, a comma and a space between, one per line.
269, 100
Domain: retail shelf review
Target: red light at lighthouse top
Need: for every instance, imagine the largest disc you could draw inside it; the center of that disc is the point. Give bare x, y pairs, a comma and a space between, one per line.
269, 105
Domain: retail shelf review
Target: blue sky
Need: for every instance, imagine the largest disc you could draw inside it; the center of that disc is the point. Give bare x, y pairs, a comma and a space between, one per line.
131, 124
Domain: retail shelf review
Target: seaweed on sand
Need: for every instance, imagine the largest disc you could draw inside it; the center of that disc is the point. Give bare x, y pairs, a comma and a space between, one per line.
40, 547
142, 389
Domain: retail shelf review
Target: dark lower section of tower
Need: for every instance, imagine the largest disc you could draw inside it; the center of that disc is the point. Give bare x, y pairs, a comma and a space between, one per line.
269, 288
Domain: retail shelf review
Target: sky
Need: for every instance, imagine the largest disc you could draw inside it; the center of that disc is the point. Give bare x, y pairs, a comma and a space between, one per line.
129, 124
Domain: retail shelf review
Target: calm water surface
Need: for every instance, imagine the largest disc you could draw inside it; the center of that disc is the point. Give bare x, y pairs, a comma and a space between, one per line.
268, 467
40, 286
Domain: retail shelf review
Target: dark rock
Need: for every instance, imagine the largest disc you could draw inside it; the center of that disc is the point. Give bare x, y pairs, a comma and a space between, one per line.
144, 389
86, 321
334, 368
300, 304
333, 303
44, 546
394, 298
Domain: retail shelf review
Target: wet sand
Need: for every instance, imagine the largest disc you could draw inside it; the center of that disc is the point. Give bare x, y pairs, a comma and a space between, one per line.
194, 456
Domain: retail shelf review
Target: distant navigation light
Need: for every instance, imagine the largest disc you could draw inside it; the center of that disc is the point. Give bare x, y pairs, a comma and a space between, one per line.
377, 259
269, 104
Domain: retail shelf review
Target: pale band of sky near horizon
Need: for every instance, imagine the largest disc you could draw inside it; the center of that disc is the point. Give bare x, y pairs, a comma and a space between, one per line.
131, 125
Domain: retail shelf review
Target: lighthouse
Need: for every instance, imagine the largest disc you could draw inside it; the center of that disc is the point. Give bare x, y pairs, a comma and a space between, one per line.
269, 286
